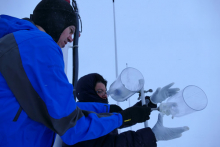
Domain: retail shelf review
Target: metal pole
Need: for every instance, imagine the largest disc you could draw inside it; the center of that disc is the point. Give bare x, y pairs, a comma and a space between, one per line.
143, 103
75, 49
129, 100
116, 55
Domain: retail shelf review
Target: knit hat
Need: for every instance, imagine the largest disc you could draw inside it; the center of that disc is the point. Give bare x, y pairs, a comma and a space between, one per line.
54, 16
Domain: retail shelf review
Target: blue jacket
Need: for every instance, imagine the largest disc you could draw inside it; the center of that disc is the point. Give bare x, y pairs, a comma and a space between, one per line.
36, 98
85, 91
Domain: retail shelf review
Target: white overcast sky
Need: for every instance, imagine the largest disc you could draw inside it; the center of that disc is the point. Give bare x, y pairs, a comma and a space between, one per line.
168, 41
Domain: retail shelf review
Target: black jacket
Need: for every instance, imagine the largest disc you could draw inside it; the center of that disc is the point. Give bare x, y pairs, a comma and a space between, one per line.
85, 92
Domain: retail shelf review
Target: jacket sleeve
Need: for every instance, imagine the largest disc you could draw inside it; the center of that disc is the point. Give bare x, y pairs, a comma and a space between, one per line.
94, 106
141, 138
35, 68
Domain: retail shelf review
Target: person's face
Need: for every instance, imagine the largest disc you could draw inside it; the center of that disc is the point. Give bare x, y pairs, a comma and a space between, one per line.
101, 90
66, 36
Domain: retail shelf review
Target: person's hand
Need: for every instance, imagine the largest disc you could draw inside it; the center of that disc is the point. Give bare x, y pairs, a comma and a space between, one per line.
163, 133
135, 114
115, 108
148, 103
169, 108
161, 94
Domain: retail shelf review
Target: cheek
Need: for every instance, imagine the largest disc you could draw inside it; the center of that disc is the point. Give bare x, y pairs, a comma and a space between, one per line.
99, 95
59, 39
65, 35
62, 37
59, 43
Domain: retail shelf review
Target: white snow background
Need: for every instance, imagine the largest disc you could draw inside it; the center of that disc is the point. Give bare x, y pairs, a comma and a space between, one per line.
167, 40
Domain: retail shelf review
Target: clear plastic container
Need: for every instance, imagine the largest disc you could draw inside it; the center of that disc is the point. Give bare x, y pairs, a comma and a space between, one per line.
188, 100
128, 83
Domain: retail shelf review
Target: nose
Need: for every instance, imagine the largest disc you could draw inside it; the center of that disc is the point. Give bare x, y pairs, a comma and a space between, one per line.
104, 95
70, 39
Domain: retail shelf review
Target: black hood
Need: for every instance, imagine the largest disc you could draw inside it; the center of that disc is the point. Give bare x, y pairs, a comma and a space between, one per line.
85, 89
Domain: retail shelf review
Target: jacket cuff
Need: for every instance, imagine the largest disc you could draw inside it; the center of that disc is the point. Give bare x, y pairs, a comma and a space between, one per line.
147, 137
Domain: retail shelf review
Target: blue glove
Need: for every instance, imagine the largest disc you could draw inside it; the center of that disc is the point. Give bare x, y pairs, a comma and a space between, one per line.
161, 94
163, 133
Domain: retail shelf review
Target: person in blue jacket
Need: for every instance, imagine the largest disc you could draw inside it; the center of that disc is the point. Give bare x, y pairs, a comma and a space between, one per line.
36, 99
92, 88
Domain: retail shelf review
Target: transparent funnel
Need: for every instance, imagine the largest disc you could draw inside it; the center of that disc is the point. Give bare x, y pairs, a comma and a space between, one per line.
128, 83
188, 100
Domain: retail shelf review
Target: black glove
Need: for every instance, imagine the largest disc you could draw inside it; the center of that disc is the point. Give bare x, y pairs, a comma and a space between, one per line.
135, 114
115, 108
150, 104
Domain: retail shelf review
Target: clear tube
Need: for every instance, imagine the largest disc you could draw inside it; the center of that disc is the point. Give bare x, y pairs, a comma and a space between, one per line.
188, 100
128, 83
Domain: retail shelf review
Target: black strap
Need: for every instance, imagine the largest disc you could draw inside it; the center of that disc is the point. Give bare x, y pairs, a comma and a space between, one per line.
17, 114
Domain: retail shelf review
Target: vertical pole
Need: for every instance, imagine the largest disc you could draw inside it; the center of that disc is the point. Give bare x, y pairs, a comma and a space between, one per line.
75, 49
143, 103
116, 55
129, 100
